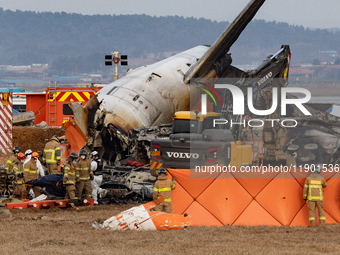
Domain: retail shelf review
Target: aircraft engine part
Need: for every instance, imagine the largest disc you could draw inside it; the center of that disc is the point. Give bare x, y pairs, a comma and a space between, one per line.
141, 218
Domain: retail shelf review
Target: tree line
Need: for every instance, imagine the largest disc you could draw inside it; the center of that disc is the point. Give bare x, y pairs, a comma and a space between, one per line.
77, 43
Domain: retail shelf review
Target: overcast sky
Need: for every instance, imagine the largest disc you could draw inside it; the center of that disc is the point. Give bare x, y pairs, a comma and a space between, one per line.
308, 13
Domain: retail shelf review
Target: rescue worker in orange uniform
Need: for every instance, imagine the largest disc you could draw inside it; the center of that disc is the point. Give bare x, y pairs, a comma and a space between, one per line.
70, 176
18, 169
163, 187
51, 155
84, 175
313, 194
12, 159
31, 173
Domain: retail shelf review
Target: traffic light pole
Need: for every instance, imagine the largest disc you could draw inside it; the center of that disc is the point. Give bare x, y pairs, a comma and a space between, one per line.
116, 60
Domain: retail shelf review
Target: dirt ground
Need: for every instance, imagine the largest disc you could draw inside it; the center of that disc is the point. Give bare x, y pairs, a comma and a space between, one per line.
33, 138
66, 231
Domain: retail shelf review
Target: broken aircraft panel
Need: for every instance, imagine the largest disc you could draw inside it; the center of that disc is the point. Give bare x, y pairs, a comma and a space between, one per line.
150, 95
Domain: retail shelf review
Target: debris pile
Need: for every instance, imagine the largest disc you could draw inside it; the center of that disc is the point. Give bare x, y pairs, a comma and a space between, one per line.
7, 182
127, 184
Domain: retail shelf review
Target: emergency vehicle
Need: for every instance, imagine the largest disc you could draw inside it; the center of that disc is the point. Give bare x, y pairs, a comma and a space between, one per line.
52, 106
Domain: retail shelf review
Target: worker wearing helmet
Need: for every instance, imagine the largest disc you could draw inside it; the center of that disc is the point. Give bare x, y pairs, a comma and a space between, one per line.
313, 194
51, 156
97, 169
83, 175
18, 168
70, 176
28, 156
41, 171
163, 187
31, 172
12, 159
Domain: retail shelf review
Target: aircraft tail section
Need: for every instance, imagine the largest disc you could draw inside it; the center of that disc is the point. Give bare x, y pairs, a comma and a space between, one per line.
222, 45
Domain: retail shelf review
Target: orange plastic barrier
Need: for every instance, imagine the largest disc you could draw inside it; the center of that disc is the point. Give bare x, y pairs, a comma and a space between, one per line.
74, 136
276, 199
46, 204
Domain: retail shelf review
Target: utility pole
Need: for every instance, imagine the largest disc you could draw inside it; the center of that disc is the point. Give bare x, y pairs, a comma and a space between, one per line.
114, 57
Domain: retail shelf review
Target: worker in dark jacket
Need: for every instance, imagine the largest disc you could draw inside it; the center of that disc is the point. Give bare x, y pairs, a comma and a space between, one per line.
313, 194
51, 156
97, 169
163, 187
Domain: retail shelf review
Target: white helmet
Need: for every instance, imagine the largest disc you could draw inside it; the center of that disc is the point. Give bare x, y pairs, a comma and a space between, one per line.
28, 152
94, 153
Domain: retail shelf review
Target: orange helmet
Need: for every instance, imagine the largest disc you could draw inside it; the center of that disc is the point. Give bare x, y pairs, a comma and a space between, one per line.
21, 156
35, 155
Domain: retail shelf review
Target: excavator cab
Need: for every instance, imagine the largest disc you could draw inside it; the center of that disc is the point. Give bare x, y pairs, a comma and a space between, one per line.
193, 122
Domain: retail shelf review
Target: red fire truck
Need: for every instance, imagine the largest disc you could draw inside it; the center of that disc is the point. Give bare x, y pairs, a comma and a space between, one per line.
53, 105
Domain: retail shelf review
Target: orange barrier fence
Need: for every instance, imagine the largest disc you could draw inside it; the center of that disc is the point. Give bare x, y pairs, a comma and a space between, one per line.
275, 199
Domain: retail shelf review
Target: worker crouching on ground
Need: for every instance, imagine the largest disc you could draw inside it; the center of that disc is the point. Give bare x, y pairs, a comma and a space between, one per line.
70, 176
313, 194
30, 173
83, 175
51, 156
18, 169
97, 169
12, 159
163, 187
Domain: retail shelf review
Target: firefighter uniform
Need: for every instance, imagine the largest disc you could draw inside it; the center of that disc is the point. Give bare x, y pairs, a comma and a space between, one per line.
163, 187
51, 155
312, 192
10, 162
20, 187
83, 177
69, 180
31, 173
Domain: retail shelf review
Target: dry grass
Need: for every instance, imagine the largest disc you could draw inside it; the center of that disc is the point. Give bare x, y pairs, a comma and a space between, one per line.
66, 231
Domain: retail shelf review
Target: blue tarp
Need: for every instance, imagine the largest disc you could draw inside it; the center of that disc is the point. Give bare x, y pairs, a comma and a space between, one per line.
53, 184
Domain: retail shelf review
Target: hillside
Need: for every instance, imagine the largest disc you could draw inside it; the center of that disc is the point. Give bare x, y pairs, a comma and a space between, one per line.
74, 43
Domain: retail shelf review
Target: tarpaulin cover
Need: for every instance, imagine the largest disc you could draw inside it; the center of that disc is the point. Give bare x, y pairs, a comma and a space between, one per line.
53, 184
276, 199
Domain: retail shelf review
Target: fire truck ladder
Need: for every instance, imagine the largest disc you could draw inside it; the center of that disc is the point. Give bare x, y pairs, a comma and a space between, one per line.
52, 104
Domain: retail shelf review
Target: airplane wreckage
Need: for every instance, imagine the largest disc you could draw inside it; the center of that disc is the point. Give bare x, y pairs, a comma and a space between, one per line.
124, 116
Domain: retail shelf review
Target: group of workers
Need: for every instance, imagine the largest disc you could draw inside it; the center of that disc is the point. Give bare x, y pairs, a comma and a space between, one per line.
82, 175
25, 168
79, 174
